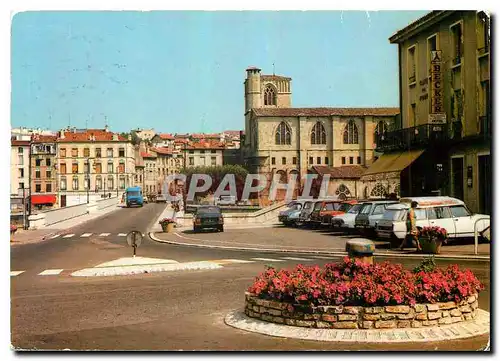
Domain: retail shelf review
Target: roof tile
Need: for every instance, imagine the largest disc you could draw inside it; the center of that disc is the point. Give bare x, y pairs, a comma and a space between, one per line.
347, 171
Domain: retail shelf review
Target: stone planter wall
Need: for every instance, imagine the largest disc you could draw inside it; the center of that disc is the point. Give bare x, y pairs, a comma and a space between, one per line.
353, 317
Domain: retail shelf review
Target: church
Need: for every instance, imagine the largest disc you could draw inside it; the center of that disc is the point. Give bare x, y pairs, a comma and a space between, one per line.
281, 139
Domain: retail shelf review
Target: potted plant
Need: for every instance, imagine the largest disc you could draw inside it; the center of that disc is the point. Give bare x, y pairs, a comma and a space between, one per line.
432, 238
167, 225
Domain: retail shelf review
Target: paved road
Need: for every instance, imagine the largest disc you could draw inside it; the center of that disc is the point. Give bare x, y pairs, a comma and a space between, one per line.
159, 311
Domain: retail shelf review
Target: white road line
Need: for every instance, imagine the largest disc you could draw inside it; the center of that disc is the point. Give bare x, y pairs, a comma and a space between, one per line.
15, 273
122, 235
68, 235
236, 261
268, 259
57, 235
86, 235
322, 257
50, 272
297, 259
104, 234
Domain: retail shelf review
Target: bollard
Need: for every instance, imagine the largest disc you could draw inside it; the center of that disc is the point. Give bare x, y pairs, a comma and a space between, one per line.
361, 249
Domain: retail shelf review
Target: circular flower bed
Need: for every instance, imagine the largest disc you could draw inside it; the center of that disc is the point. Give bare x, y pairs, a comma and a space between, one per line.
353, 294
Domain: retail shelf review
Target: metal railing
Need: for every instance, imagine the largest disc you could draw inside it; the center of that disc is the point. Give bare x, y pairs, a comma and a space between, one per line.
476, 238
418, 136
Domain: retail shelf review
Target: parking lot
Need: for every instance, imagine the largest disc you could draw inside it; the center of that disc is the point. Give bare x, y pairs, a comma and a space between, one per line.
281, 238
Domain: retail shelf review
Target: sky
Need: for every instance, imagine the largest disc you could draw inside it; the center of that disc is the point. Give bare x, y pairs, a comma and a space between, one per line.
183, 71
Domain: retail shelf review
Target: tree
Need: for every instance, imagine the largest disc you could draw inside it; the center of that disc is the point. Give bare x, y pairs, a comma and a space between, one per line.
217, 174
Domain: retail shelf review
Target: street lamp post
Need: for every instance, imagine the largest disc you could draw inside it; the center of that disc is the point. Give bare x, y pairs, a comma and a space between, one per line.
117, 172
88, 178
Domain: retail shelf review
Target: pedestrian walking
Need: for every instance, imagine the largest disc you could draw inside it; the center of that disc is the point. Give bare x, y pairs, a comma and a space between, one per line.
411, 227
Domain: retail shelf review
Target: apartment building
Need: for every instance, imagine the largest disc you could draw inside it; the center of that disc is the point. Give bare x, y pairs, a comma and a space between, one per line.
150, 178
92, 164
444, 141
43, 168
19, 164
203, 153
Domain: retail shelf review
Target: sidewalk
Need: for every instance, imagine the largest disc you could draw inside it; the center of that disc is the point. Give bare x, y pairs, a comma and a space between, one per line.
37, 235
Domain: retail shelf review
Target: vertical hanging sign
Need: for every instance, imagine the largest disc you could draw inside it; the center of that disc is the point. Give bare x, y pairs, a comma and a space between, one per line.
437, 114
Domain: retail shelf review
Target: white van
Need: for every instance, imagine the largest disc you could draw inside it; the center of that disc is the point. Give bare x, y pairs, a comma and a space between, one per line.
449, 213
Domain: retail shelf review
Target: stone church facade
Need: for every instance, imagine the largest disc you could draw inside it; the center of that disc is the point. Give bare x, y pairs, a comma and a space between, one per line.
280, 139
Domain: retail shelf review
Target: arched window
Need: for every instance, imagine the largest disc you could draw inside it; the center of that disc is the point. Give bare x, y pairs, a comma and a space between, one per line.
283, 135
342, 192
381, 127
351, 133
293, 174
318, 134
378, 191
269, 96
282, 175
396, 189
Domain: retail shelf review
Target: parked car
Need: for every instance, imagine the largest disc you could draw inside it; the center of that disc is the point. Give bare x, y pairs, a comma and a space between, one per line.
161, 198
323, 211
293, 217
368, 216
226, 201
208, 217
449, 213
344, 206
346, 220
292, 207
305, 214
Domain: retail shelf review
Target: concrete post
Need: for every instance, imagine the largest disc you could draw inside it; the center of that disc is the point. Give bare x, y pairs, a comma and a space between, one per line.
360, 248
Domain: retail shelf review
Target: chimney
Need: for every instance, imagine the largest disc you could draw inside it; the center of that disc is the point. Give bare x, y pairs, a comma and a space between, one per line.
129, 137
61, 134
115, 136
106, 129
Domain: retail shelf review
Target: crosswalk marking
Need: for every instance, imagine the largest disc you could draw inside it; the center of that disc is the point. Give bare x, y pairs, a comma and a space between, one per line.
268, 259
104, 234
15, 273
86, 235
55, 236
122, 235
50, 272
68, 235
297, 259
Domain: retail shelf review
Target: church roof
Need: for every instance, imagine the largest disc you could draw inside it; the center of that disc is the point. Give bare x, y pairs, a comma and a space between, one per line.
346, 171
324, 112
274, 77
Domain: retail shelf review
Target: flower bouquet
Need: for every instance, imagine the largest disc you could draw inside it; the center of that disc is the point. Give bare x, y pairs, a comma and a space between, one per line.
431, 239
167, 224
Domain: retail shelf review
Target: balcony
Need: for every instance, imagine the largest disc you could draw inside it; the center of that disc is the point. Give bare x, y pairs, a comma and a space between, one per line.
414, 137
483, 51
485, 126
412, 79
457, 60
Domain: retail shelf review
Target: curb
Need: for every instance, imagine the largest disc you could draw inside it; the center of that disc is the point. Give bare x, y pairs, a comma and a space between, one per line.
139, 269
323, 253
458, 331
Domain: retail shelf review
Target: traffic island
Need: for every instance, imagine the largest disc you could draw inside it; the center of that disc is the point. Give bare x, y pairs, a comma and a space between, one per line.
357, 317
360, 301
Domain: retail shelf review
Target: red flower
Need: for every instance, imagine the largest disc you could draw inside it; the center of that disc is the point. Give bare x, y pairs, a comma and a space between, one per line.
354, 283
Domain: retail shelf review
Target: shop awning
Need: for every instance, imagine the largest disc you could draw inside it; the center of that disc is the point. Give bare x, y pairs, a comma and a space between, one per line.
393, 162
43, 199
